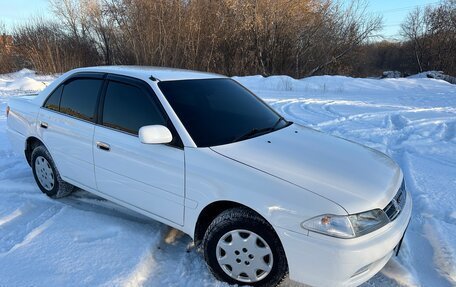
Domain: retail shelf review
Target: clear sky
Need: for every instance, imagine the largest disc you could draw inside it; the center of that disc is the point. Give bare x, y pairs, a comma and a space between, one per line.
18, 11
394, 11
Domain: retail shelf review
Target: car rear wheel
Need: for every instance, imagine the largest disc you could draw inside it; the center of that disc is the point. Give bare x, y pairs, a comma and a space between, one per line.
240, 247
46, 174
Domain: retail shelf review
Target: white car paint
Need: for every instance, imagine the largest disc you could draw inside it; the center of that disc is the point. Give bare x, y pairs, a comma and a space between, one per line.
353, 176
70, 142
155, 134
150, 177
307, 174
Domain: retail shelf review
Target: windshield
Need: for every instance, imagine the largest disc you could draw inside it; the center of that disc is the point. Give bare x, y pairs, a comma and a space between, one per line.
219, 111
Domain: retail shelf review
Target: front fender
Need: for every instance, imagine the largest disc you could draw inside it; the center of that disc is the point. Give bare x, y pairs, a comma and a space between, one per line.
211, 177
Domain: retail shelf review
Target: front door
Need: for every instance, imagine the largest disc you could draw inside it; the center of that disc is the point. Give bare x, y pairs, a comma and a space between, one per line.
149, 177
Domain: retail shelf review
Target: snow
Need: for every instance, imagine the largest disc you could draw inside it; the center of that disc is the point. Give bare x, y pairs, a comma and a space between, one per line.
427, 74
24, 80
86, 241
434, 75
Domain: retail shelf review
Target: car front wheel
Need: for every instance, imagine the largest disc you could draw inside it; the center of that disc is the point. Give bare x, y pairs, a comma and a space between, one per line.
240, 247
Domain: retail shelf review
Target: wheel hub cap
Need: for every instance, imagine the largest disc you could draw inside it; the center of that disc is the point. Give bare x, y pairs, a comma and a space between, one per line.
44, 173
244, 255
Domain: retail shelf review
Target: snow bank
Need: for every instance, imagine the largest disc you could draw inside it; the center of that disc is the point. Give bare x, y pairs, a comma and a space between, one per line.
93, 242
25, 84
24, 80
340, 84
434, 75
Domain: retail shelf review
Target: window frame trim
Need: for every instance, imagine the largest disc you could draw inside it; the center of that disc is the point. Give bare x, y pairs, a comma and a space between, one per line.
73, 77
146, 88
106, 77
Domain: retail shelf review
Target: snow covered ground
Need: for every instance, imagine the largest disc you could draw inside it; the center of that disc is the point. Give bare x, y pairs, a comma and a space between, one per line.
83, 240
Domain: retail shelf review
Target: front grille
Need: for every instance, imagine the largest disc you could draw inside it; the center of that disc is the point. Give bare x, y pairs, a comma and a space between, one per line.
394, 208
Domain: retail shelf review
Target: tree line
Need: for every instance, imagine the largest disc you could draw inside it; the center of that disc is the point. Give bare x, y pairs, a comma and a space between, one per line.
234, 37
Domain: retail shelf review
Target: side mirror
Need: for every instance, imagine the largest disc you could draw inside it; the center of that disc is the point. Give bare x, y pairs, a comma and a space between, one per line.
155, 134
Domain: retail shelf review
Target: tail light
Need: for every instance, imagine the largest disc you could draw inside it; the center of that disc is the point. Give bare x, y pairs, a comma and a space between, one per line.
7, 110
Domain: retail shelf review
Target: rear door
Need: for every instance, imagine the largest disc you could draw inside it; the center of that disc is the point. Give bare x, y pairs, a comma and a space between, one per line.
66, 125
149, 177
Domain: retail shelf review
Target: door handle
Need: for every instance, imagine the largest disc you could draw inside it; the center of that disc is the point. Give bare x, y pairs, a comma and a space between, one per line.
44, 125
103, 146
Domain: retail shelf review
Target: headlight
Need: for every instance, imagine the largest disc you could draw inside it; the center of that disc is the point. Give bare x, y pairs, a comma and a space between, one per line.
349, 226
369, 221
333, 225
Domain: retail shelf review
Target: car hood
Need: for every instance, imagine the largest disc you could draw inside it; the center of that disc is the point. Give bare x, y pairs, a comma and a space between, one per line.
356, 177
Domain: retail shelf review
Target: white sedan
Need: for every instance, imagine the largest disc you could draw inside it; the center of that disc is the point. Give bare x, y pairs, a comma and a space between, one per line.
261, 196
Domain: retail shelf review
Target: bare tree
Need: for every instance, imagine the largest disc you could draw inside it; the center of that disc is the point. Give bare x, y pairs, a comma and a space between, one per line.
7, 62
69, 12
414, 29
432, 31
297, 37
45, 47
348, 29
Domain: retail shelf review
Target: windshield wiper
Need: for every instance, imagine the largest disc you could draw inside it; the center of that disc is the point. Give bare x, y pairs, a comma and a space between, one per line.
256, 131
252, 133
278, 122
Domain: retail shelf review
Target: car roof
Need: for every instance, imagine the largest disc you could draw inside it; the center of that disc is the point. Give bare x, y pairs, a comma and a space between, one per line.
148, 72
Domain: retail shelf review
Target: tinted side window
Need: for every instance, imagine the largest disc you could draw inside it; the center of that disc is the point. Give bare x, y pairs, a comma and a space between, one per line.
128, 108
53, 101
79, 98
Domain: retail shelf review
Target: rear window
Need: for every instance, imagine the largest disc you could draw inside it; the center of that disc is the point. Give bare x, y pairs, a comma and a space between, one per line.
53, 101
79, 98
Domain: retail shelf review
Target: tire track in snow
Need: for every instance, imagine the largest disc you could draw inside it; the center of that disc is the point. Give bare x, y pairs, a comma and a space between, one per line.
24, 225
10, 217
417, 243
144, 269
444, 256
383, 114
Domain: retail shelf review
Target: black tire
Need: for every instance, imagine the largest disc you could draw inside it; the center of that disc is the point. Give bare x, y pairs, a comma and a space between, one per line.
245, 219
58, 188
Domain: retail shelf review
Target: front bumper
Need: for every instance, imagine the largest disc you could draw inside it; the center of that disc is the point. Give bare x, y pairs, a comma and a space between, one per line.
320, 260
